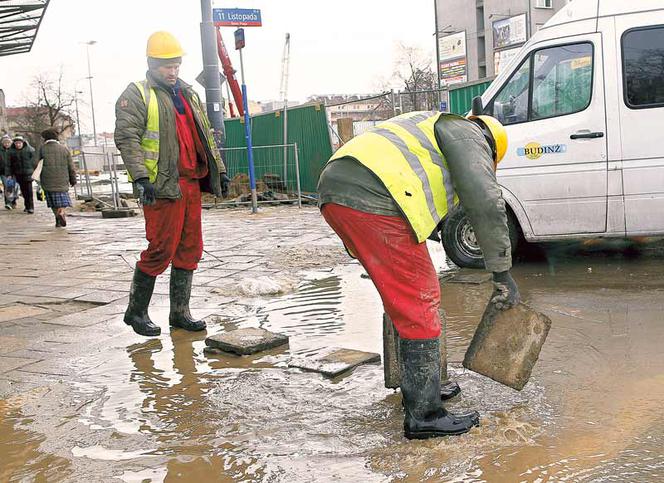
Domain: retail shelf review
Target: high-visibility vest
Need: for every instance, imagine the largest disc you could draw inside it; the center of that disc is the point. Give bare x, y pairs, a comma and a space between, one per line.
150, 139
404, 154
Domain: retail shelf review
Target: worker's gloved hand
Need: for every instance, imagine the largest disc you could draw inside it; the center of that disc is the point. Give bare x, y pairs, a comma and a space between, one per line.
146, 191
505, 293
225, 184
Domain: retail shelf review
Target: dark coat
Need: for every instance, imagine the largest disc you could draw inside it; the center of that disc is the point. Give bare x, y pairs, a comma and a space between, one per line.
130, 125
4, 161
57, 169
21, 162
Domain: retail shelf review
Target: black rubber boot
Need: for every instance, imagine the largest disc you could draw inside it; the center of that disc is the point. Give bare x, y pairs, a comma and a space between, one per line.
140, 294
420, 388
180, 294
448, 390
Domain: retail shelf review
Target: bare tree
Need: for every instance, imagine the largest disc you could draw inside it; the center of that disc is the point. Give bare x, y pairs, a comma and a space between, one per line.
49, 104
413, 70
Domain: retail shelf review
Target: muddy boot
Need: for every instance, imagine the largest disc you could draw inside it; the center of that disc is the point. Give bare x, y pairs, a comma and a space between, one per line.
420, 387
448, 390
180, 294
139, 299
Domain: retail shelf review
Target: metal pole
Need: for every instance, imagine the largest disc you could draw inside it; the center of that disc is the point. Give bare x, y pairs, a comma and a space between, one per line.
284, 94
213, 98
247, 135
88, 184
92, 101
297, 177
393, 100
435, 13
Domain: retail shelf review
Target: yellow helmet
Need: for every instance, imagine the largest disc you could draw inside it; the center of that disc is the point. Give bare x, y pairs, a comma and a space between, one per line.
163, 45
498, 133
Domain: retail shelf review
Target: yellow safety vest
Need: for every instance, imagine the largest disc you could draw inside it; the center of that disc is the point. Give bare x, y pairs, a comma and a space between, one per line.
150, 139
404, 154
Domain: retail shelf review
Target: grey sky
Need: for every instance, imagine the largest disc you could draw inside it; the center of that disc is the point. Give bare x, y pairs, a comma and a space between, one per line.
341, 46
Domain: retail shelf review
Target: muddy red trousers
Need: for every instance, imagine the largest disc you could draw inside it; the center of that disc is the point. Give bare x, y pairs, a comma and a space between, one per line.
173, 230
400, 268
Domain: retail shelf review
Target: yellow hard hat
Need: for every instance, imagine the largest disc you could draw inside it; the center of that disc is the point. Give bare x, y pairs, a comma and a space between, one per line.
163, 45
498, 133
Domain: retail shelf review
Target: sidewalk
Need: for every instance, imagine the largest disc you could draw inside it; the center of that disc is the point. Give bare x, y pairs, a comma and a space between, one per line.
63, 291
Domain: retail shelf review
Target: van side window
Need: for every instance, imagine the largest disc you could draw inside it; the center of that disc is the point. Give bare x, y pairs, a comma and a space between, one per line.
551, 82
563, 80
643, 67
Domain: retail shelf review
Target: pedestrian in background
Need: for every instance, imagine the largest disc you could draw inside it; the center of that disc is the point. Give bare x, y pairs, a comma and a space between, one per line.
57, 175
22, 165
8, 183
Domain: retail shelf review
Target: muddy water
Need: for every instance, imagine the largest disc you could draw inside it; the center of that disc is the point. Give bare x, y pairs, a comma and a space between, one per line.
162, 410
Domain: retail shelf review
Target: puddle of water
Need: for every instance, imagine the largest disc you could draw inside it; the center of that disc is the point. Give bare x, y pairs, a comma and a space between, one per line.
590, 413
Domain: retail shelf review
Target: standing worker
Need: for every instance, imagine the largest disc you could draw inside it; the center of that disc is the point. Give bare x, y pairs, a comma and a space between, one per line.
168, 147
388, 190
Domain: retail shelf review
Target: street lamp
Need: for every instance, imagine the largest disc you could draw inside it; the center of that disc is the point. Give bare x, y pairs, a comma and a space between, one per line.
92, 102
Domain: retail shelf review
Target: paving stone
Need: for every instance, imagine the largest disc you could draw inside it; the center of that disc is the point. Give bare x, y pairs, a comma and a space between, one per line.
10, 363
101, 297
246, 341
507, 344
474, 277
20, 311
334, 362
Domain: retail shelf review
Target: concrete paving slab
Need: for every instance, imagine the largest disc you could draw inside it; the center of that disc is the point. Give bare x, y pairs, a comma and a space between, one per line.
10, 363
20, 311
101, 297
507, 344
334, 362
246, 341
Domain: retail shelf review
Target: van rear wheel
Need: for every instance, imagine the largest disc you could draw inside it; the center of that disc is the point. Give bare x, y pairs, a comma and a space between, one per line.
460, 243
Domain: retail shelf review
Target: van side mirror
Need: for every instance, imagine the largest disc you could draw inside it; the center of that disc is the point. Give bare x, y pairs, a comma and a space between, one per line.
477, 106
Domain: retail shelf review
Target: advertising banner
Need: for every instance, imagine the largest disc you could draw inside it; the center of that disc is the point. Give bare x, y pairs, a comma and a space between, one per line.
510, 31
452, 60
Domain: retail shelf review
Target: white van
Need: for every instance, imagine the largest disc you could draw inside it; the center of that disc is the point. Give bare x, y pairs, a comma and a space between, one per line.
583, 105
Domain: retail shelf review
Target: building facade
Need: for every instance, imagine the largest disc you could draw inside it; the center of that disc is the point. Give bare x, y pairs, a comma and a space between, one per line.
478, 37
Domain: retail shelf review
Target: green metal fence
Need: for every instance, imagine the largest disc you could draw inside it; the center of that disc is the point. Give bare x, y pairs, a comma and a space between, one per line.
461, 98
307, 127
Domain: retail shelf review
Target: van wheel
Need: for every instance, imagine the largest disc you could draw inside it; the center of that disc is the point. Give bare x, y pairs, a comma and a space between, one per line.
458, 239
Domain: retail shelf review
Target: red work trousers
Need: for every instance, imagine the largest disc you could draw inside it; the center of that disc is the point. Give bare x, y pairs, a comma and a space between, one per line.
400, 268
173, 228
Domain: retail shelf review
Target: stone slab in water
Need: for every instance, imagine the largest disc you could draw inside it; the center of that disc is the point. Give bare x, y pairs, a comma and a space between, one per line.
507, 344
246, 341
474, 278
391, 359
334, 361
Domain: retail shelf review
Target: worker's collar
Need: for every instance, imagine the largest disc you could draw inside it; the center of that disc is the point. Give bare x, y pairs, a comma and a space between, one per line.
51, 141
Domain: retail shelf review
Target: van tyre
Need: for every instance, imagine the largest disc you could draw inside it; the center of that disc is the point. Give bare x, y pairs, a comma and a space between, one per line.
458, 239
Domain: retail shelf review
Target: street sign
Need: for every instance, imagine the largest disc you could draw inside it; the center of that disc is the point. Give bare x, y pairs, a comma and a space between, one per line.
237, 17
201, 79
239, 39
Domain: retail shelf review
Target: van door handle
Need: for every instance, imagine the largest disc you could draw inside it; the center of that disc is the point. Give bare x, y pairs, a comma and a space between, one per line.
587, 135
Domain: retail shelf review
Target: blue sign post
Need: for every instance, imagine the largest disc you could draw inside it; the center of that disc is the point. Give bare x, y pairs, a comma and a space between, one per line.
239, 42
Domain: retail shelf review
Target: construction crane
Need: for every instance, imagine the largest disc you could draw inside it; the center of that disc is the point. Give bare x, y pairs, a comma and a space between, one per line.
229, 72
283, 94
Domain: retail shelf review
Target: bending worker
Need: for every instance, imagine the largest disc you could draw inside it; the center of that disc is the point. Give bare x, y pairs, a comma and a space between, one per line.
167, 145
388, 190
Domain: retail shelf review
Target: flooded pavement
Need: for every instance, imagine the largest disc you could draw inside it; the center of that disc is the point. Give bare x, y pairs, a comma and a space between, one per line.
162, 410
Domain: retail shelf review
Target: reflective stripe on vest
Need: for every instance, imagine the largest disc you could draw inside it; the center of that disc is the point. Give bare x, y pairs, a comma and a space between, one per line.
404, 154
150, 139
